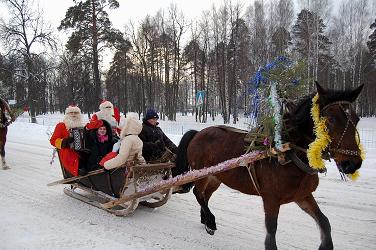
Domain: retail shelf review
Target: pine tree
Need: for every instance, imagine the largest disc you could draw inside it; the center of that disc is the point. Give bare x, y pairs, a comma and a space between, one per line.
280, 40
117, 79
92, 31
310, 42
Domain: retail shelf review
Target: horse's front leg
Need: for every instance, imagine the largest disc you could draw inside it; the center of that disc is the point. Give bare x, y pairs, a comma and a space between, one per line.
309, 205
271, 209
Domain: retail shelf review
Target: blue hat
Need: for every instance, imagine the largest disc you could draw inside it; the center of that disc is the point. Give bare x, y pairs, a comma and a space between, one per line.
150, 114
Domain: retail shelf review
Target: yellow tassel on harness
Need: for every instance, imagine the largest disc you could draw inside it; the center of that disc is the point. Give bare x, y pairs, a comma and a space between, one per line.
354, 176
361, 148
315, 149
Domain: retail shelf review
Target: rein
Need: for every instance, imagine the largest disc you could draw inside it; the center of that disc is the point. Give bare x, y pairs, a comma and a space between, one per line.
337, 148
301, 164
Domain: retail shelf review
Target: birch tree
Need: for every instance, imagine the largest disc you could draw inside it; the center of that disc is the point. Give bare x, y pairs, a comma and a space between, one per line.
309, 41
284, 14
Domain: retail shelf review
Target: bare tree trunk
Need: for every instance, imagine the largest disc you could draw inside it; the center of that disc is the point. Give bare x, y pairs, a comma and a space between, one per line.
97, 81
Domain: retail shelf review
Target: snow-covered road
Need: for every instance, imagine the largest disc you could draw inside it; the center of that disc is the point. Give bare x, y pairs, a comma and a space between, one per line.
34, 216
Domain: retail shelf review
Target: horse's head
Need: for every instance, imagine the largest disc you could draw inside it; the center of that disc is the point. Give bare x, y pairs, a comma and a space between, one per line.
341, 121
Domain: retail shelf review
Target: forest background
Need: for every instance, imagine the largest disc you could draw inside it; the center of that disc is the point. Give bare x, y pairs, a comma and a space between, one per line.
165, 59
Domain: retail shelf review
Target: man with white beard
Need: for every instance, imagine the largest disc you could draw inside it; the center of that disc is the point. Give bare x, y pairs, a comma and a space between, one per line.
61, 139
106, 112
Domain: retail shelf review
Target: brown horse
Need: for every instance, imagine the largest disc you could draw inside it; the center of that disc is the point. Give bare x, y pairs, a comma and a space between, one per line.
278, 184
4, 107
3, 139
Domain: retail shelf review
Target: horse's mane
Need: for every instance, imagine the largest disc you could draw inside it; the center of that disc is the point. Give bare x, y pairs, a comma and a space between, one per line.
337, 95
302, 112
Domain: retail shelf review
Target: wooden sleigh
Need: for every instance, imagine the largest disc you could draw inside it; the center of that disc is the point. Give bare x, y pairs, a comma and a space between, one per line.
100, 186
119, 191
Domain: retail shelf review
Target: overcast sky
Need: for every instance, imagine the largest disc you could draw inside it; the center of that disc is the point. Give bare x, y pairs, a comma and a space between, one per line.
134, 10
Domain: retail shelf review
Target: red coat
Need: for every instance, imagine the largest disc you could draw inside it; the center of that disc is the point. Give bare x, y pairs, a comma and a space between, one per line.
68, 157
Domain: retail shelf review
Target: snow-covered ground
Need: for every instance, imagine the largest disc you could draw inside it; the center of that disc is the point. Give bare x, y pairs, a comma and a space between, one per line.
34, 216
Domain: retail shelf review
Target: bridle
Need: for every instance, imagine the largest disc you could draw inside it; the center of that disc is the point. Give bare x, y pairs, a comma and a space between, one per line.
329, 153
337, 148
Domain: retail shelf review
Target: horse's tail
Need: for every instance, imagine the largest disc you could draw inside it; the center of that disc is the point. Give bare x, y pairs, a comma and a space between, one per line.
182, 165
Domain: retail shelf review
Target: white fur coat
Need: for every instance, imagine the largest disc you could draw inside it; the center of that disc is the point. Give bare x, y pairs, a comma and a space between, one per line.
131, 145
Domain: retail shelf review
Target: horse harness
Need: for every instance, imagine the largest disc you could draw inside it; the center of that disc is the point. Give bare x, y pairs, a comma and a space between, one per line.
349, 121
292, 154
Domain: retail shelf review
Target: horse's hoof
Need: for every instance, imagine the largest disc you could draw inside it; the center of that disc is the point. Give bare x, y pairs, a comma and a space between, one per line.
6, 167
209, 230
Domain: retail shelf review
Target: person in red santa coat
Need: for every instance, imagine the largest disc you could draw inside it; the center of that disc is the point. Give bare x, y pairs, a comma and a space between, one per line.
61, 139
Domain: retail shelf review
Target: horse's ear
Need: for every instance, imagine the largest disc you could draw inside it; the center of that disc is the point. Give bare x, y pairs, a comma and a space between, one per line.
320, 89
355, 93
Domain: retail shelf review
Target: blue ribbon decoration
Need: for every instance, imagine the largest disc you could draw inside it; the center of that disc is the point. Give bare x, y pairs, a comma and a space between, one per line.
260, 78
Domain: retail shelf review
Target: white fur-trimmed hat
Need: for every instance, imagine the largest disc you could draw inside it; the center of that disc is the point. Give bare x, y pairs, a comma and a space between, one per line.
72, 108
105, 104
